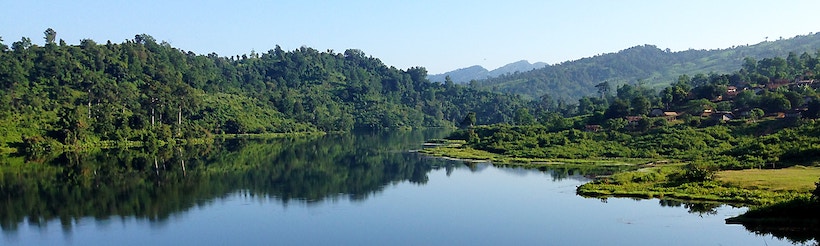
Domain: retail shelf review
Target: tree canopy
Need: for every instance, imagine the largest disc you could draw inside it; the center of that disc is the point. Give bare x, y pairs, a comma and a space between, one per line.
144, 89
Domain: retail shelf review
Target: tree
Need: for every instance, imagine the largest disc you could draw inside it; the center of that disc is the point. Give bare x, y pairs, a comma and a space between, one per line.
698, 171
603, 88
641, 105
523, 117
448, 81
50, 35
615, 124
469, 120
746, 99
816, 193
3, 47
755, 114
813, 109
619, 108
21, 45
775, 102
585, 106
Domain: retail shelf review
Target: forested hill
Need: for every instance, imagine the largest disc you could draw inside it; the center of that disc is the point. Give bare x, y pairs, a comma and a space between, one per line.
652, 66
142, 89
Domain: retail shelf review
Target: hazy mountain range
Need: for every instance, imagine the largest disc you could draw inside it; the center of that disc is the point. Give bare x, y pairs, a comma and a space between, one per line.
464, 75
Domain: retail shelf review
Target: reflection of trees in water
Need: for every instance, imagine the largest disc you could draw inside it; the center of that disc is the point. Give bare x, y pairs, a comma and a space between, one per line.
797, 220
693, 207
797, 232
156, 184
560, 172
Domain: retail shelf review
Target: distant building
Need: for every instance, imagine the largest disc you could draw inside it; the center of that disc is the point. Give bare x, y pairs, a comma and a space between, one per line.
592, 128
731, 92
669, 115
633, 120
723, 115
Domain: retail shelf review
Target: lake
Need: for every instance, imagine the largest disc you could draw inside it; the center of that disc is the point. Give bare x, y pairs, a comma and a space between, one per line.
351, 189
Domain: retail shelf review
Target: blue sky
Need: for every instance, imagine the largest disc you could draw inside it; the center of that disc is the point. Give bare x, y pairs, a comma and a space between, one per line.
438, 35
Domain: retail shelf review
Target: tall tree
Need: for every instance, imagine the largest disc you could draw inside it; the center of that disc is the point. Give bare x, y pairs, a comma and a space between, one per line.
469, 120
603, 89
50, 35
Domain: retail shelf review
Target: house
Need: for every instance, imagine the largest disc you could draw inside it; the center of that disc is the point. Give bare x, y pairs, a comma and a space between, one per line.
805, 82
777, 84
656, 112
794, 113
633, 120
705, 113
723, 115
592, 128
777, 115
669, 115
731, 92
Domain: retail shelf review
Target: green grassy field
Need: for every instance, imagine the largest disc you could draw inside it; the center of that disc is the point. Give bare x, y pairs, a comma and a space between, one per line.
797, 178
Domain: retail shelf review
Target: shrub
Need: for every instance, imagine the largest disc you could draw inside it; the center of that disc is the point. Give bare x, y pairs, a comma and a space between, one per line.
698, 171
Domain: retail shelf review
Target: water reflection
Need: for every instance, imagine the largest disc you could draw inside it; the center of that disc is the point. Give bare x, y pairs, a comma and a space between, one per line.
797, 232
153, 185
156, 185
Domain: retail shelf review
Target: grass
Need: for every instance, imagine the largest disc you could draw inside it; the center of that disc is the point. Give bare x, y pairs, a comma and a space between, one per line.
661, 178
456, 149
797, 178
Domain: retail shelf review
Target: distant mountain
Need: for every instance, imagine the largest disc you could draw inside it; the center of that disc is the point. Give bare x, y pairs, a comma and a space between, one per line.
464, 75
646, 63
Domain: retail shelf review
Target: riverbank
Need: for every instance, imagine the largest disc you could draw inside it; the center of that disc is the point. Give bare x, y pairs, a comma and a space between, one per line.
43, 146
662, 178
457, 149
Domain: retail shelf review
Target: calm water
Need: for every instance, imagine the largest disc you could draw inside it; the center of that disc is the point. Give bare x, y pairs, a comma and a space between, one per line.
363, 189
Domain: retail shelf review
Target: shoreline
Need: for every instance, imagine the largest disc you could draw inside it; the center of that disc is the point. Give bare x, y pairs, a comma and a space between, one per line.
647, 178
56, 147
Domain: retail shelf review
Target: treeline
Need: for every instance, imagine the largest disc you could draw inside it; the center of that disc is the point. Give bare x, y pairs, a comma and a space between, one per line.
761, 116
655, 67
142, 89
769, 87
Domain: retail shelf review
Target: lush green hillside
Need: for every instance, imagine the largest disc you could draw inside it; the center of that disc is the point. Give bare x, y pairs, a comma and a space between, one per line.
142, 89
648, 64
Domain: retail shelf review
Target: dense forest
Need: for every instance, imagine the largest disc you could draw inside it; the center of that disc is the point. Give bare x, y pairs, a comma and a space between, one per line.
649, 64
141, 89
760, 116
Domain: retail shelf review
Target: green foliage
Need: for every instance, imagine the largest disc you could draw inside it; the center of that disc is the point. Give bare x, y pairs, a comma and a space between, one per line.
699, 171
142, 89
709, 149
572, 80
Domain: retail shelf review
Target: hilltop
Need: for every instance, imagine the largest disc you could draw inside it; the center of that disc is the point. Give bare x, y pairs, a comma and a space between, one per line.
646, 64
464, 75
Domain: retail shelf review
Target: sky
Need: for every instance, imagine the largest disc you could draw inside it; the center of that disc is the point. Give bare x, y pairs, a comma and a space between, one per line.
439, 35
